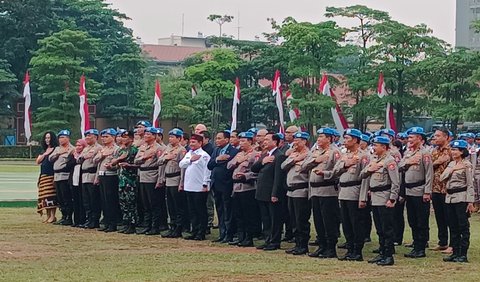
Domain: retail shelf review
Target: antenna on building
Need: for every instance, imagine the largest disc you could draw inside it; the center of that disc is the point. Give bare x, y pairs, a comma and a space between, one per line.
238, 26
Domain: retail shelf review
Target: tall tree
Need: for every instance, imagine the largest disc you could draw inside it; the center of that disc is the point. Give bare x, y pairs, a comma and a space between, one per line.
220, 20
56, 67
8, 90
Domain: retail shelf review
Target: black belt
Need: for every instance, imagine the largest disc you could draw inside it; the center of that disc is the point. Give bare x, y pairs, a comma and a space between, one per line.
381, 188
350, 183
297, 186
148, 168
324, 184
173, 174
90, 170
244, 181
456, 190
414, 184
62, 170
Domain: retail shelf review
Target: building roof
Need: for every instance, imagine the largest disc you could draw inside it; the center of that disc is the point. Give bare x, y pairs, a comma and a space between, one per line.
170, 54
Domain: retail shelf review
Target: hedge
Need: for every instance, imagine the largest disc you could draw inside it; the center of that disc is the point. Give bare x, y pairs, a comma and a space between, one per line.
21, 152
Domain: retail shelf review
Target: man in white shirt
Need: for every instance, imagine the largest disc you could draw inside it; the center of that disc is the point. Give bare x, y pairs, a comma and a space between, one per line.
196, 186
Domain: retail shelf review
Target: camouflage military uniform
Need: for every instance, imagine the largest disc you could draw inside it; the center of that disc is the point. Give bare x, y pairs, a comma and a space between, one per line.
127, 187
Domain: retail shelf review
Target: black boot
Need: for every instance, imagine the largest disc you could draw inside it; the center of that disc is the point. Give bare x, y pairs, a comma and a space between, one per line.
357, 253
462, 257
130, 229
68, 221
60, 222
153, 231
247, 242
321, 249
416, 254
123, 229
330, 252
348, 254
376, 259
386, 261
111, 228
144, 230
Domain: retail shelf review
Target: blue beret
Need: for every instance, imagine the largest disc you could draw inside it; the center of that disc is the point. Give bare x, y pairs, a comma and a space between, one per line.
64, 132
353, 132
176, 132
335, 132
281, 136
109, 131
381, 140
152, 130
459, 144
144, 123
477, 135
302, 135
389, 132
253, 130
415, 130
365, 138
469, 135
91, 131
159, 130
402, 135
121, 131
247, 134
326, 131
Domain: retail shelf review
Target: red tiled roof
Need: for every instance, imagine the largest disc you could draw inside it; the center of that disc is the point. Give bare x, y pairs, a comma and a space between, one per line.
170, 54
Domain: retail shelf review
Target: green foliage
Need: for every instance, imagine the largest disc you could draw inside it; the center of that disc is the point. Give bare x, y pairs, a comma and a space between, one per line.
8, 91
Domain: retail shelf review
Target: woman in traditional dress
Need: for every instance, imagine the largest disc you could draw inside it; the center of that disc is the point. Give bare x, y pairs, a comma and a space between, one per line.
47, 196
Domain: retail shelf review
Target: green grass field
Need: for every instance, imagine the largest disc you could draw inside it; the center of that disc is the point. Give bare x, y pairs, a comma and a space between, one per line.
18, 180
33, 251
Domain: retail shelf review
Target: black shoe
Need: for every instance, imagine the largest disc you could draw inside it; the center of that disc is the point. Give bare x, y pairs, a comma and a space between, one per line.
162, 228
300, 251
110, 229
208, 232
199, 238
271, 247
143, 231
130, 230
168, 234
355, 257
226, 240
376, 259
342, 246
376, 251
67, 222
291, 250
60, 222
102, 228
386, 261
328, 254
416, 254
261, 247
234, 242
317, 252
190, 237
346, 256
93, 226
218, 240
461, 259
450, 258
154, 231
123, 229
246, 243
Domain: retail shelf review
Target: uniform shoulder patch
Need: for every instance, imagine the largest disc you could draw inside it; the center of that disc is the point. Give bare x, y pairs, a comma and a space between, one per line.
365, 160
392, 166
427, 158
337, 155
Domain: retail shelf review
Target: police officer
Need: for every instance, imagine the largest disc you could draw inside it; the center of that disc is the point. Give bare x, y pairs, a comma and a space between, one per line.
348, 169
417, 167
90, 192
459, 200
297, 182
61, 157
383, 183
140, 131
176, 200
107, 177
323, 192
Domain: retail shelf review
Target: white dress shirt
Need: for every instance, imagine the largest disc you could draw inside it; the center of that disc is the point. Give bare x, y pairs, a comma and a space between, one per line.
196, 173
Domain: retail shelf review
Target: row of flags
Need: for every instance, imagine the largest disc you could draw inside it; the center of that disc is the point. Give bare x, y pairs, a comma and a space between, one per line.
293, 112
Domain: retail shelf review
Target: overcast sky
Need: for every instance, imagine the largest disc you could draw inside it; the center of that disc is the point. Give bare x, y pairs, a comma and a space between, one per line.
153, 19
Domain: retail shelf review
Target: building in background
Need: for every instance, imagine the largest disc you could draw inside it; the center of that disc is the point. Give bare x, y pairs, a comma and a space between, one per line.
467, 11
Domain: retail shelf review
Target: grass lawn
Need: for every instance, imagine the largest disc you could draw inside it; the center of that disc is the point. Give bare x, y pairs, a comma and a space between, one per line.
32, 251
18, 180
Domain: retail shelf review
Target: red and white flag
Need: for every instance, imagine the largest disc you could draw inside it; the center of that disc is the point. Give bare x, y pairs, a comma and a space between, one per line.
83, 109
157, 106
338, 118
26, 95
236, 102
194, 91
389, 115
294, 113
277, 92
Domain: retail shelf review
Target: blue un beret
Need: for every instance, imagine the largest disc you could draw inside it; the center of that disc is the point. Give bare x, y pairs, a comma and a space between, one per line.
381, 140
389, 132
281, 136
144, 123
326, 131
248, 135
365, 138
152, 130
477, 135
121, 131
253, 130
64, 132
459, 144
302, 135
176, 132
469, 135
353, 132
415, 130
91, 131
109, 131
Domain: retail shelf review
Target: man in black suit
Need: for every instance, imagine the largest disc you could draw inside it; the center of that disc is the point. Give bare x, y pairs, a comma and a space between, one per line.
267, 194
222, 184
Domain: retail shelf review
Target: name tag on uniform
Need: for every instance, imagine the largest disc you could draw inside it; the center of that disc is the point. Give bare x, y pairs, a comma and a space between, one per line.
101, 173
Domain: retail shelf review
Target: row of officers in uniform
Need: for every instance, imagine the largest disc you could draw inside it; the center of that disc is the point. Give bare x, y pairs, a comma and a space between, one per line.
262, 181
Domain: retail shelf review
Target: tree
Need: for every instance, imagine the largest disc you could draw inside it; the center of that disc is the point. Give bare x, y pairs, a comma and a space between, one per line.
220, 20
56, 67
8, 91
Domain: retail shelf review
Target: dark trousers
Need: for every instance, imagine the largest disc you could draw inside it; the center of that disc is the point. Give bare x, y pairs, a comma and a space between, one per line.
399, 222
78, 209
266, 217
64, 197
418, 213
325, 219
368, 219
459, 227
109, 196
91, 202
247, 208
289, 218
177, 208
223, 205
210, 208
197, 205
153, 202
353, 223
383, 218
302, 211
439, 207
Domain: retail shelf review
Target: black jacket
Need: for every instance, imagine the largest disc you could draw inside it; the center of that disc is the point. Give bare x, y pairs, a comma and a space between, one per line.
221, 177
268, 178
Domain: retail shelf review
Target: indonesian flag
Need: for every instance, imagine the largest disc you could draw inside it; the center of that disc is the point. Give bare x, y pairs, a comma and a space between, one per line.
236, 102
26, 96
194, 91
294, 113
338, 118
83, 109
277, 92
157, 106
389, 116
